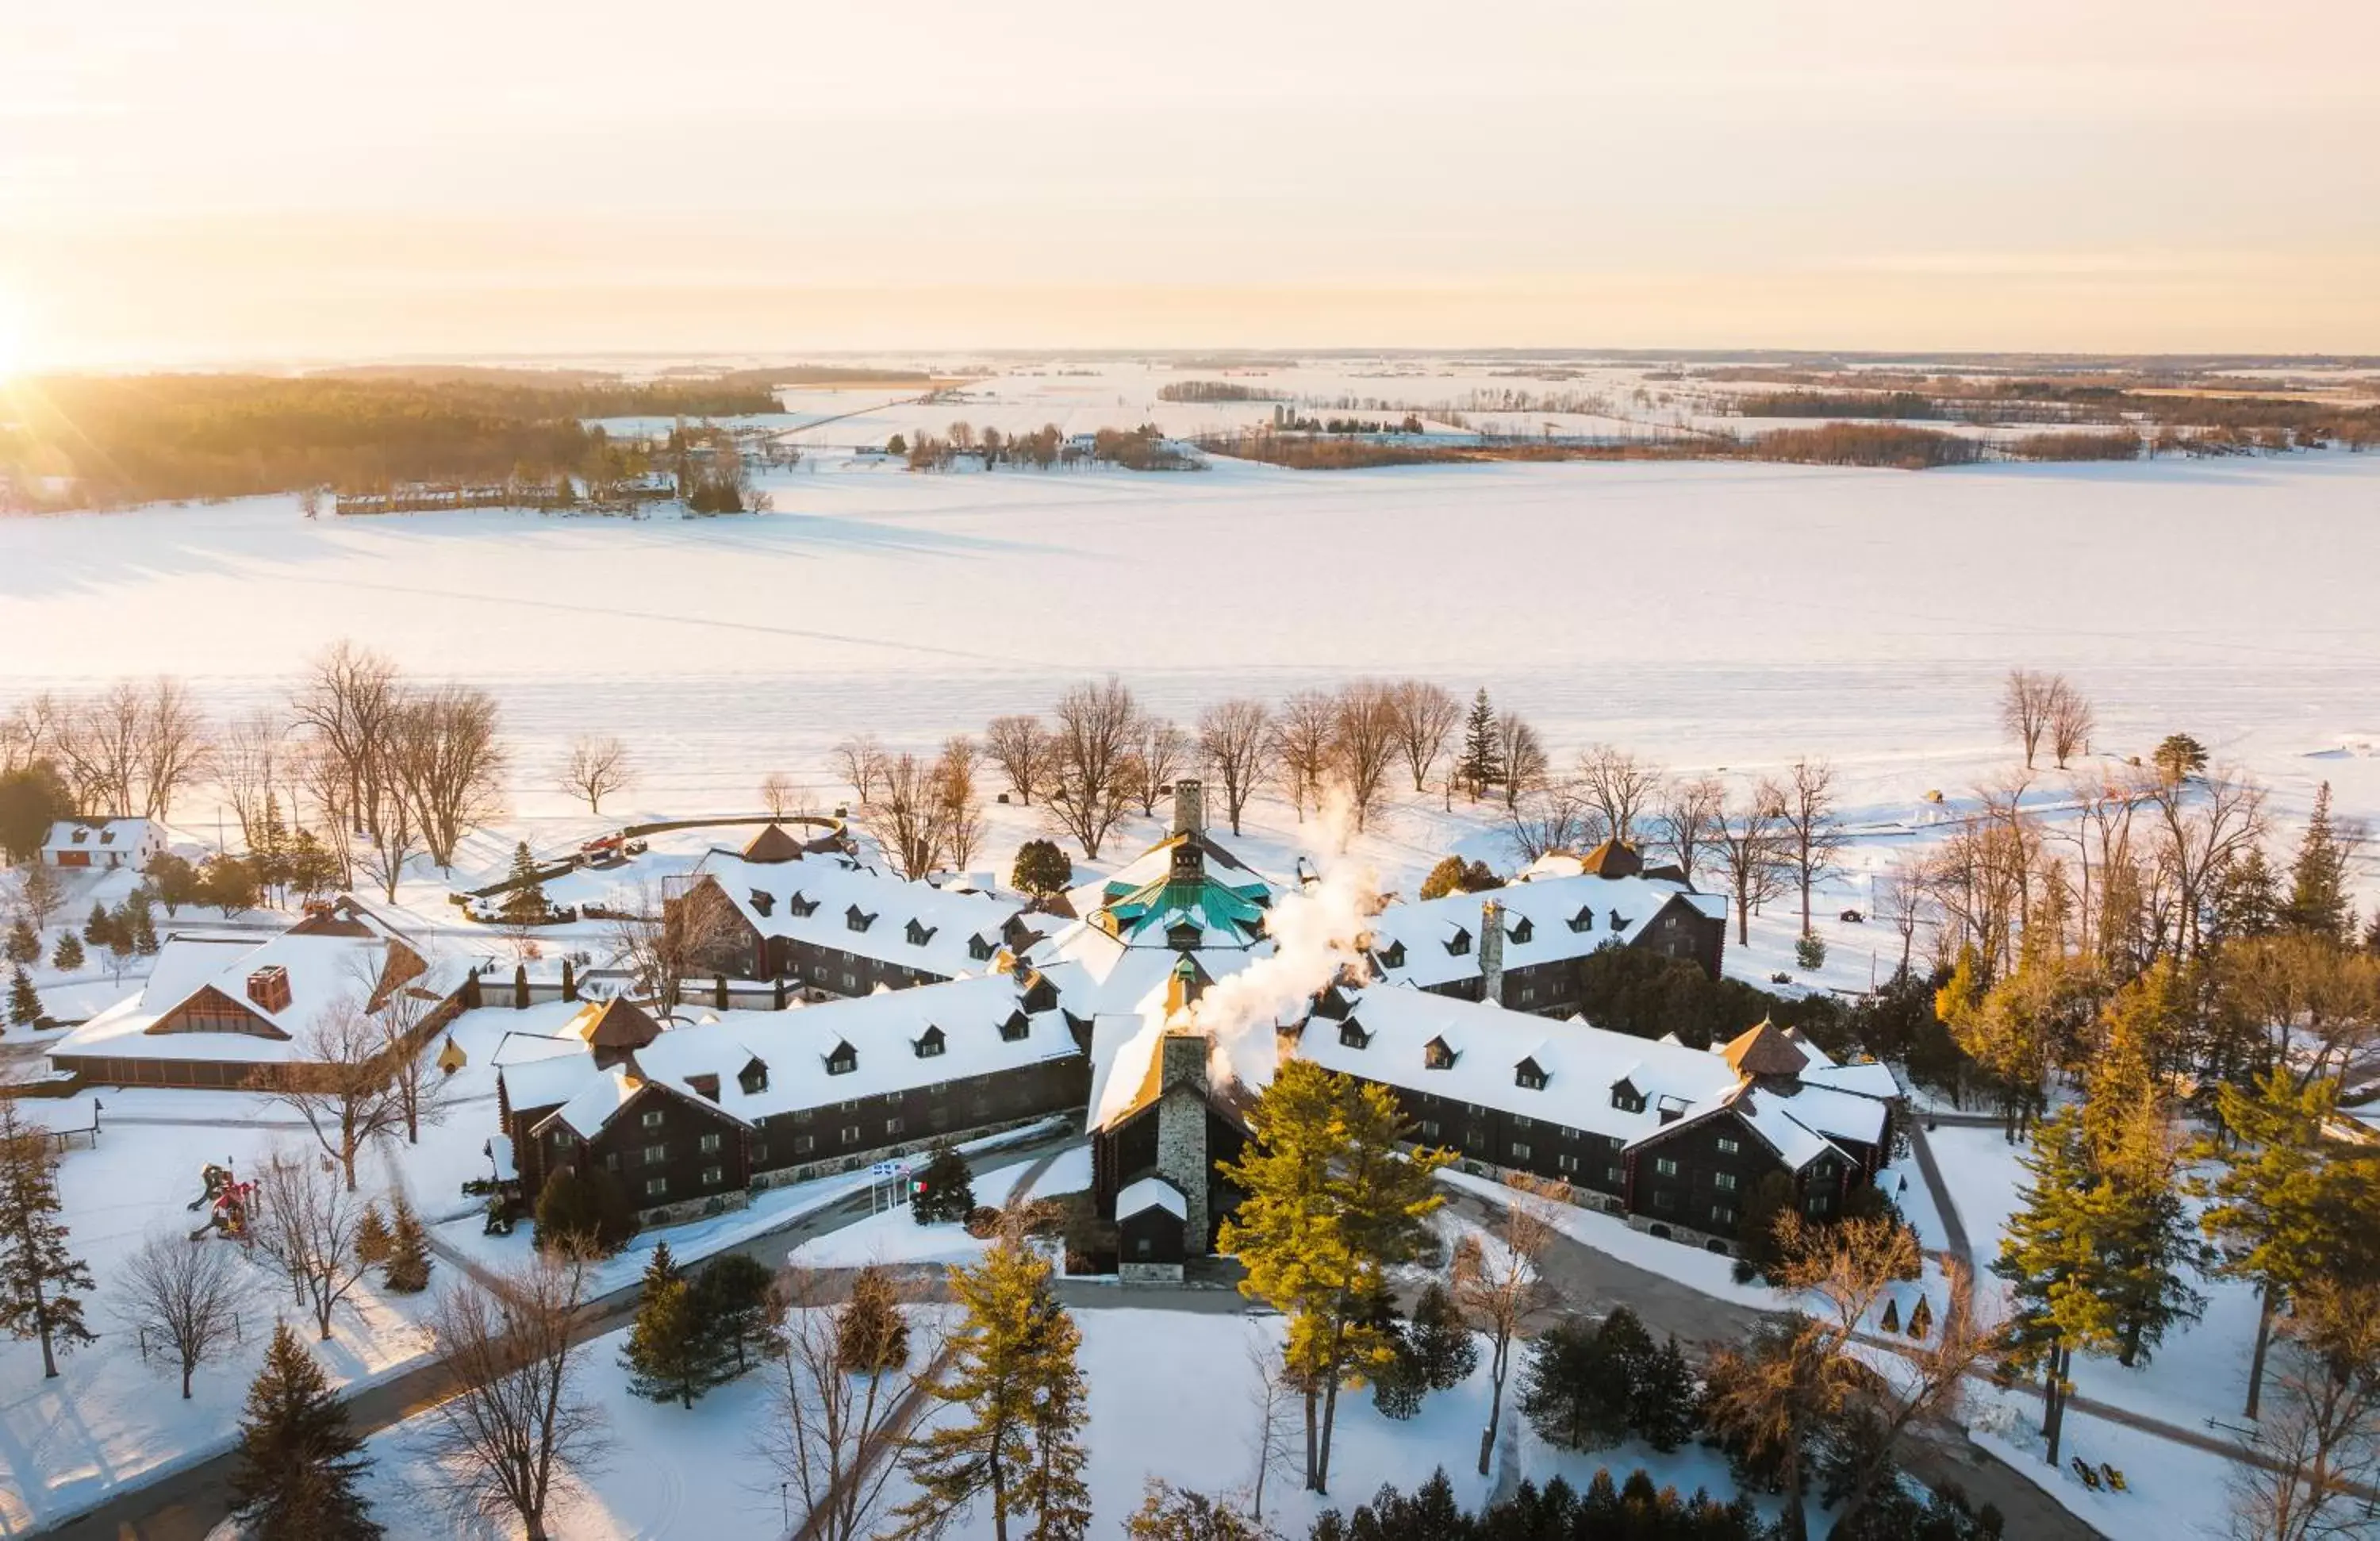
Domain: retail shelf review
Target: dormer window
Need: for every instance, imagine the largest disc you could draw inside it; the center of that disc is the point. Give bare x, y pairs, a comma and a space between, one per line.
858, 919
762, 902
843, 1061
1352, 1034
1184, 935
1017, 1028
920, 935
704, 1085
1458, 945
1437, 1054
930, 1043
1393, 956
1626, 1097
1584, 920
753, 1078
1618, 921
1529, 1075
801, 909
980, 948
1524, 928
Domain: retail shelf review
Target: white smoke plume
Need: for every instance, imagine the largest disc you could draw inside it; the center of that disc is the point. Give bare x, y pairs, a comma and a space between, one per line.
1314, 931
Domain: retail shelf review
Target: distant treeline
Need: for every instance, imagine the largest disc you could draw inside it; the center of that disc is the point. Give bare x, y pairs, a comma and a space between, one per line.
2074, 447
1866, 444
1829, 404
1214, 390
151, 438
2159, 399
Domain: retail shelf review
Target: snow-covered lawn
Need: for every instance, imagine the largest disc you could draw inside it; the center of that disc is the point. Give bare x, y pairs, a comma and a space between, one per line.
2173, 1492
894, 1236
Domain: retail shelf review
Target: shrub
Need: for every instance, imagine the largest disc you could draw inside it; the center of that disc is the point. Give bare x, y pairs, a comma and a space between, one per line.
1810, 951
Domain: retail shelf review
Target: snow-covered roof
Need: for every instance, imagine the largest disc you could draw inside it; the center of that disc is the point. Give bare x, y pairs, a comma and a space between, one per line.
958, 1025
823, 899
604, 1094
1582, 1066
1151, 1193
324, 961
1868, 1078
103, 834
1567, 916
1188, 891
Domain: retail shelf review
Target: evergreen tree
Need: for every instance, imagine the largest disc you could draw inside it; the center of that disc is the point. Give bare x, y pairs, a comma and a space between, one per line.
732, 1299
1664, 1397
373, 1239
2050, 1257
1481, 763
175, 881
2317, 904
1442, 1340
671, 1356
2281, 1210
2145, 1234
589, 1210
2180, 756
38, 1275
408, 1251
67, 957
945, 1190
299, 1460
100, 927
24, 1000
1332, 1204
1015, 1398
2247, 900
1572, 1392
521, 987
524, 903
24, 942
872, 1332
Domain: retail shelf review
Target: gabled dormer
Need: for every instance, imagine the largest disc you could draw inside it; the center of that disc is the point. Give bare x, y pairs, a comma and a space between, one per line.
763, 903
858, 919
1393, 955
800, 906
1618, 921
1529, 1074
1524, 930
1040, 994
1183, 936
704, 1085
1016, 1029
753, 1077
842, 1060
1333, 1002
1583, 921
981, 948
1352, 1034
1458, 945
930, 1043
920, 933
1437, 1054
1626, 1096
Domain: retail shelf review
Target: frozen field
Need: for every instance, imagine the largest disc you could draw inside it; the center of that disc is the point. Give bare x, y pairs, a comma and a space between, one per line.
1709, 614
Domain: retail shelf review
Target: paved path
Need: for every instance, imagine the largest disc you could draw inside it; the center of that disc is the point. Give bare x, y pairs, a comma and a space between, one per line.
186, 1505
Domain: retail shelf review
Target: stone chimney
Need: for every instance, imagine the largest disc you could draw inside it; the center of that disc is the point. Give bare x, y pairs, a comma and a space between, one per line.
1189, 806
1182, 1155
1491, 953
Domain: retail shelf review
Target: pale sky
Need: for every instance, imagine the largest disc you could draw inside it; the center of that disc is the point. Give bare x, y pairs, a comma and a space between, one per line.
300, 179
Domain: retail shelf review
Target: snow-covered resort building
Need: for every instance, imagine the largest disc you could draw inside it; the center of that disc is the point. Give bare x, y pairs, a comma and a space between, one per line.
691, 1118
219, 1008
104, 843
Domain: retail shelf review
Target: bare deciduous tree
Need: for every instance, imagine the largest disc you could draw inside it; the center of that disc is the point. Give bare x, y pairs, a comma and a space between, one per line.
337, 1080
399, 1009
1551, 816
183, 1294
1301, 743
306, 1223
348, 702
1688, 821
517, 1420
2072, 721
2202, 827
1090, 761
910, 816
1621, 785
1813, 834
2316, 1446
1751, 852
779, 795
1426, 715
175, 746
1276, 1399
1523, 754
1363, 743
1903, 891
249, 764
1020, 747
962, 807
1502, 1292
2025, 708
666, 939
1234, 737
597, 766
1160, 751
447, 760
838, 1399
862, 761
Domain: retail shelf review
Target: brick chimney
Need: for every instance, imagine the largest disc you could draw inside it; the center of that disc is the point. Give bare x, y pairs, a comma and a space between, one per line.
1491, 953
1189, 806
268, 988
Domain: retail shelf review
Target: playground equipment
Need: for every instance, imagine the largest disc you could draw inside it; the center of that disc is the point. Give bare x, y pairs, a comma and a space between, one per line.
228, 1200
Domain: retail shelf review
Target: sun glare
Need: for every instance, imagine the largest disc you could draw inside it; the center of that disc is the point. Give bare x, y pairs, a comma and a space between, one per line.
13, 356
